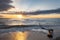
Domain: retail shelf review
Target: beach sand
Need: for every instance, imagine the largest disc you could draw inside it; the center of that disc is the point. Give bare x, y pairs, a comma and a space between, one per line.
23, 36
29, 35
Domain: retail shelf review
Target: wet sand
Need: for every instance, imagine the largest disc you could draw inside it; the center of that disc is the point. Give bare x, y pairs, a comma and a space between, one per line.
23, 36
28, 35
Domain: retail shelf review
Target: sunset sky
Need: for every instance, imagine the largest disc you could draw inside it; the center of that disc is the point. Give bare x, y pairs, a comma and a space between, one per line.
29, 16
32, 5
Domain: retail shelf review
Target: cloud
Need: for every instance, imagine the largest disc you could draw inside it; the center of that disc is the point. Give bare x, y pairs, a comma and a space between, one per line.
5, 5
52, 11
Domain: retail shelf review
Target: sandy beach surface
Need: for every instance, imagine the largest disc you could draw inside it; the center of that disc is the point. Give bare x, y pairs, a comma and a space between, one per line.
15, 34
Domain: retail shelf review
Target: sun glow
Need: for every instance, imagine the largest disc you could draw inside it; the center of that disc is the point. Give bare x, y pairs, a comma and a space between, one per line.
20, 16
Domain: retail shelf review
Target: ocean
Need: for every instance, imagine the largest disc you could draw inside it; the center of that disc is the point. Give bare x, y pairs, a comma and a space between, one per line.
29, 29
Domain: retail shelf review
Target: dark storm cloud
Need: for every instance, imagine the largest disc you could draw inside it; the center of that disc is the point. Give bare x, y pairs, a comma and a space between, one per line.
52, 11
5, 1
5, 5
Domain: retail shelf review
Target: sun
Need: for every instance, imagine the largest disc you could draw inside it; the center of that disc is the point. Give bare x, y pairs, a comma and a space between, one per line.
20, 16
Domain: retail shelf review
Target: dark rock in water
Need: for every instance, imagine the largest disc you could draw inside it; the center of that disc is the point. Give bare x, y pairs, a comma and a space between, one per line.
50, 36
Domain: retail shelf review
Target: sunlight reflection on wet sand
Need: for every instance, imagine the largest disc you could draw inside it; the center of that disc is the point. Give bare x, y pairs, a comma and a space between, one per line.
27, 35
14, 36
